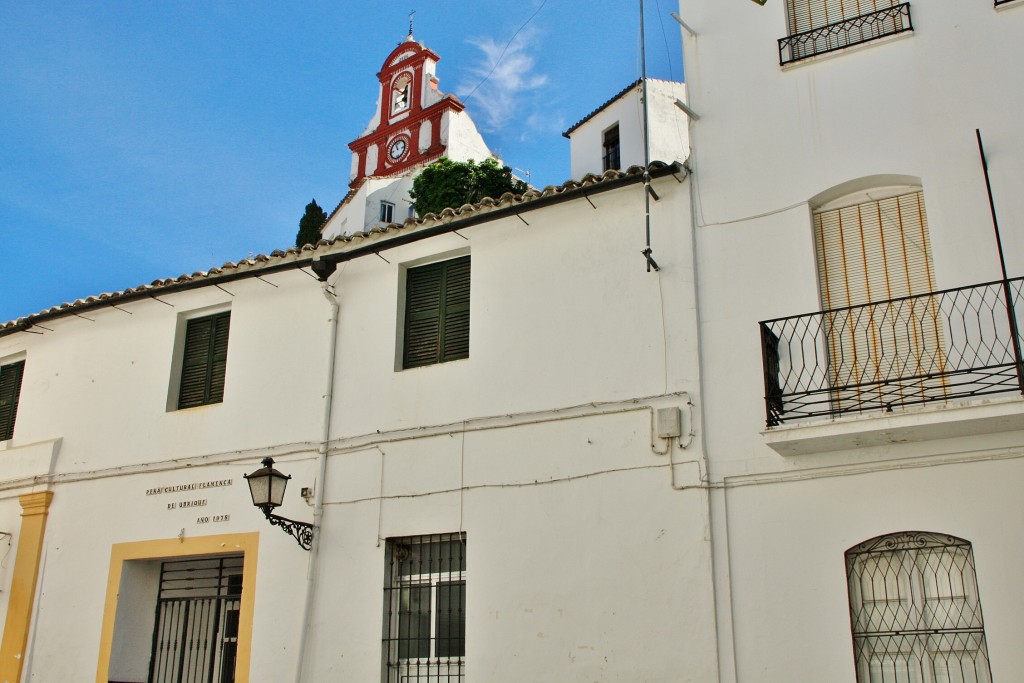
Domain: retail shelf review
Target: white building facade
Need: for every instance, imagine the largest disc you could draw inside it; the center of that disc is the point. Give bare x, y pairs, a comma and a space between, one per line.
777, 441
612, 136
503, 482
864, 440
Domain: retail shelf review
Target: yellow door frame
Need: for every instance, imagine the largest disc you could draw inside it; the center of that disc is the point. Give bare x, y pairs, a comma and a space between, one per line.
169, 548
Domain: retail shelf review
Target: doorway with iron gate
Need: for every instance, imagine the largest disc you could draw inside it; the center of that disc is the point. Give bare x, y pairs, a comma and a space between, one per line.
195, 634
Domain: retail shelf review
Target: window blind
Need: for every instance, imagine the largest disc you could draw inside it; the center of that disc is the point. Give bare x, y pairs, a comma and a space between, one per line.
805, 15
875, 252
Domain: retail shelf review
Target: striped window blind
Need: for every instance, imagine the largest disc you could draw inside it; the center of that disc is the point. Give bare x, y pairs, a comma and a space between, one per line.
874, 252
10, 391
805, 15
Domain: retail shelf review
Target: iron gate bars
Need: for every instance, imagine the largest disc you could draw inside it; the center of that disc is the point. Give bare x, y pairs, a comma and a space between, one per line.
195, 637
950, 344
846, 33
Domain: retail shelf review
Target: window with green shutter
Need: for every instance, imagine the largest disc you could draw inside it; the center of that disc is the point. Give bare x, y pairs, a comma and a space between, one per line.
437, 313
204, 361
10, 389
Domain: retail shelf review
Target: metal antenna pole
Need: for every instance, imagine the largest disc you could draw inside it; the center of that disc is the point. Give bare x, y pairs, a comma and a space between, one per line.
648, 190
1007, 293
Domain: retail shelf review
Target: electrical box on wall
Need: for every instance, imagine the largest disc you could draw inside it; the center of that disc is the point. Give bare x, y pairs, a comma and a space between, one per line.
669, 423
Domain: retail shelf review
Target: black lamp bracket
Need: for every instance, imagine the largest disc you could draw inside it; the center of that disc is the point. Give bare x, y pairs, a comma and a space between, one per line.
302, 532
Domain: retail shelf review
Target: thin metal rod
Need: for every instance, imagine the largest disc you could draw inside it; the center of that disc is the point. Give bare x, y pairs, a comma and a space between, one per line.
683, 24
1007, 293
991, 203
647, 142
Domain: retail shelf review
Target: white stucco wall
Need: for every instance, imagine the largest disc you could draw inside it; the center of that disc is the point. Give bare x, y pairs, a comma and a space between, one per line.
769, 140
362, 211
669, 139
584, 561
462, 139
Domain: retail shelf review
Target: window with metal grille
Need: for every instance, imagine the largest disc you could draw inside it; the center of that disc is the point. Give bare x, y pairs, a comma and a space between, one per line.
204, 361
387, 212
876, 252
820, 26
436, 313
425, 609
915, 611
10, 391
611, 157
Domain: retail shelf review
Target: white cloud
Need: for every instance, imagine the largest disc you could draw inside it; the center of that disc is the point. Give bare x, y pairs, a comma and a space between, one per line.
496, 86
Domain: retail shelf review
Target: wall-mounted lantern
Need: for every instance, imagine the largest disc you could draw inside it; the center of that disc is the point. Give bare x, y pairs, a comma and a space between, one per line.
267, 487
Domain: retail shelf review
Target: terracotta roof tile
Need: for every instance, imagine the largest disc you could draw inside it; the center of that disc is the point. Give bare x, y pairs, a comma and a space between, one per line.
299, 257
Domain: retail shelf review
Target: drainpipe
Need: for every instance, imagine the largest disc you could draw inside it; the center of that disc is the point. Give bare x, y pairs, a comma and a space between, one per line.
321, 480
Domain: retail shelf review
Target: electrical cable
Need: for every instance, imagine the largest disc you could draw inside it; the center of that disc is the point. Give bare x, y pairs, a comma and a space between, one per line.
497, 61
664, 36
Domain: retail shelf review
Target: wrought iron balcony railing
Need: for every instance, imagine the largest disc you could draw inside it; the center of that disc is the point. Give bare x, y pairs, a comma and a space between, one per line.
946, 345
845, 33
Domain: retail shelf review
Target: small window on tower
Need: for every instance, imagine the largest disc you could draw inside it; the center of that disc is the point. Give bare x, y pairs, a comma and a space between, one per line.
387, 212
611, 158
401, 90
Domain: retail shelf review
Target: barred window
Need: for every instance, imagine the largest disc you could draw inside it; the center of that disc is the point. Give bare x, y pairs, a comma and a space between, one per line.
915, 611
425, 609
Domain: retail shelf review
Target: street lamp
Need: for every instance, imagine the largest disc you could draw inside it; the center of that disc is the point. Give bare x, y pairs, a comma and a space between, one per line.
267, 485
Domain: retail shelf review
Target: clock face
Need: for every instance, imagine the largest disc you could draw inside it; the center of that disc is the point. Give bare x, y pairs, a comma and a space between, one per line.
397, 148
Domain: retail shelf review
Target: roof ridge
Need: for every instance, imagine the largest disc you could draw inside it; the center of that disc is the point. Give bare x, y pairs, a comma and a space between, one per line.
279, 258
611, 100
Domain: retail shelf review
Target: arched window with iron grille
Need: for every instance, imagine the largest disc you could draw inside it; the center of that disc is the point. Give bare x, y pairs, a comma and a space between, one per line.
915, 610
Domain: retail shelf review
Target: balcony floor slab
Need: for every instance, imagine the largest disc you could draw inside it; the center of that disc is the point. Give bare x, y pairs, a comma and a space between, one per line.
950, 420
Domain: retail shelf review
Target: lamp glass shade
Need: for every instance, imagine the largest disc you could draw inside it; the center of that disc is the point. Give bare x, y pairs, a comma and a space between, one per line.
267, 486
278, 483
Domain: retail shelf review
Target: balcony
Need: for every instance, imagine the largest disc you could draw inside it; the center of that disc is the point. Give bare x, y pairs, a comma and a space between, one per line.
846, 33
954, 345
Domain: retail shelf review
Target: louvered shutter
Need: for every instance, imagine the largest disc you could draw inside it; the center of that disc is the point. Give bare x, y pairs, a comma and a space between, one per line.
455, 332
437, 313
204, 361
869, 253
10, 390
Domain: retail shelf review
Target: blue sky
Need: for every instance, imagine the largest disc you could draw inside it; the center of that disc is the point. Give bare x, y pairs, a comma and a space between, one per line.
144, 140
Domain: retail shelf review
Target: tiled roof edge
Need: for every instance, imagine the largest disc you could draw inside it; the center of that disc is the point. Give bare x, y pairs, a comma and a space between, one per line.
609, 103
278, 260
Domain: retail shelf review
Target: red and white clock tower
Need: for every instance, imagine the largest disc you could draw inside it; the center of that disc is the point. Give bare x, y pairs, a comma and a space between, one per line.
414, 125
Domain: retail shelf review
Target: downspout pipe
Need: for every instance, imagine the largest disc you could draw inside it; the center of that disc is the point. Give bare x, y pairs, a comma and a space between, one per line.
321, 476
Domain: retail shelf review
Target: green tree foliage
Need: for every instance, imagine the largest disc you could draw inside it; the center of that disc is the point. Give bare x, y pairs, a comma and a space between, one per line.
310, 224
446, 183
